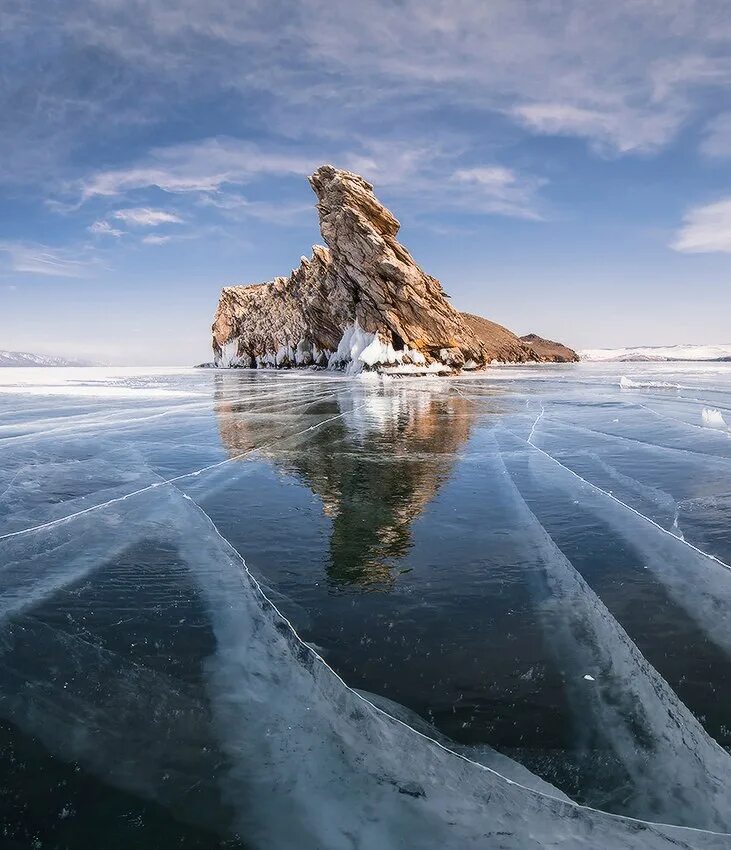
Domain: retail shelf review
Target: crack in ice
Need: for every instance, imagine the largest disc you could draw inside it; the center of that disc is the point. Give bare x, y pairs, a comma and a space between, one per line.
104, 420
606, 435
175, 478
625, 505
533, 428
419, 734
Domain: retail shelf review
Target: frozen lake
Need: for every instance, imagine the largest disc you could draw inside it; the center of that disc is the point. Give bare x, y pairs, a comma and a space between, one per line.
527, 568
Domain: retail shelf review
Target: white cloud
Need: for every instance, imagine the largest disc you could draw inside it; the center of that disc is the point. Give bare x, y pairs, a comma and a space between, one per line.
104, 228
155, 239
706, 229
495, 177
625, 75
35, 258
606, 72
201, 167
146, 217
235, 205
501, 190
613, 129
213, 169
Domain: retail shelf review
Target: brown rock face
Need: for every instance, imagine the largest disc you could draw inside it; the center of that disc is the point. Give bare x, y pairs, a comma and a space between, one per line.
500, 343
361, 302
504, 346
549, 351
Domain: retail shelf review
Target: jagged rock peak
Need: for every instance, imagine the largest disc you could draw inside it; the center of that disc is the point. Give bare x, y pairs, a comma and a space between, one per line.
360, 303
338, 190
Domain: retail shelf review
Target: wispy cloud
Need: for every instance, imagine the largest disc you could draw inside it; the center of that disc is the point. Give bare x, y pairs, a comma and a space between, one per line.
104, 228
156, 239
236, 205
706, 229
611, 129
214, 170
38, 259
501, 190
199, 167
626, 75
146, 217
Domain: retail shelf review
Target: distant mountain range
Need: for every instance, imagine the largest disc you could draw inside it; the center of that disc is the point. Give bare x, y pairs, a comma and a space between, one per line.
25, 358
658, 353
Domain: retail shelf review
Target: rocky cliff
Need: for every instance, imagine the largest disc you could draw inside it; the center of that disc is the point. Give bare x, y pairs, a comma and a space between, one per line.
548, 351
500, 343
361, 302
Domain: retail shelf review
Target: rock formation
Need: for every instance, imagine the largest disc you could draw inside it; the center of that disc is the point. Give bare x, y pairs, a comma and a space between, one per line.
548, 351
361, 302
500, 343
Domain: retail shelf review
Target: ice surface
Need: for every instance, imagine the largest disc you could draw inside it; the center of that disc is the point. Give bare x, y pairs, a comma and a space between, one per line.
96, 382
673, 763
699, 581
107, 560
294, 737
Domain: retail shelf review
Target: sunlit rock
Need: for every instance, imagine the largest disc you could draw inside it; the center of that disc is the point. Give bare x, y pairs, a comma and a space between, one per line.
362, 302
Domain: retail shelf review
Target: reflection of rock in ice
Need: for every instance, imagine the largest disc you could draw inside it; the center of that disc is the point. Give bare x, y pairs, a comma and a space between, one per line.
307, 762
372, 504
677, 773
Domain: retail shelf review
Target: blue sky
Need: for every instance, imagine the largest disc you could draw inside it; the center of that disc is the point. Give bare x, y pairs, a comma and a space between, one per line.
562, 167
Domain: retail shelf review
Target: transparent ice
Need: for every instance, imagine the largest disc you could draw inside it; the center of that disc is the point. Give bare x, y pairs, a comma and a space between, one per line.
293, 609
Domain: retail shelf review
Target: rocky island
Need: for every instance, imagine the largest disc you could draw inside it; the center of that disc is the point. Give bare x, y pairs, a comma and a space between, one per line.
362, 302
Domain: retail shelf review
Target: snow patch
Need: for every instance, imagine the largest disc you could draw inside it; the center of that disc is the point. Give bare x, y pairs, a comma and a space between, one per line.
713, 418
353, 343
628, 384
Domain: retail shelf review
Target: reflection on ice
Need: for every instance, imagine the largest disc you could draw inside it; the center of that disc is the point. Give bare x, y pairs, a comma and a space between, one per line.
372, 505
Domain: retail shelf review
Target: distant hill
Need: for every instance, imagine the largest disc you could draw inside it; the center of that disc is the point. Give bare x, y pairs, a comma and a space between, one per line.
549, 351
25, 358
714, 353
